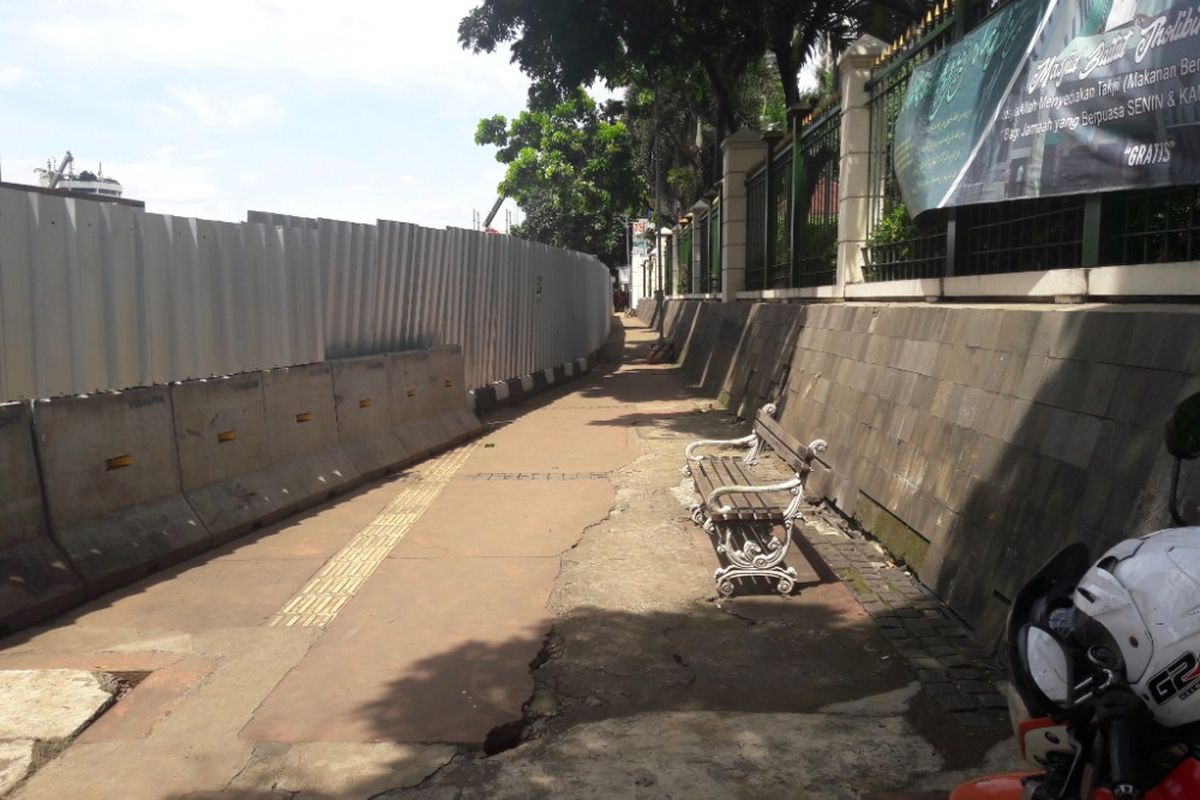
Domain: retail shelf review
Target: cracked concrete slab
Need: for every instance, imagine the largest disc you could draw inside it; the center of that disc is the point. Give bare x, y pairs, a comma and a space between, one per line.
16, 759
194, 744
50, 704
338, 769
701, 755
896, 701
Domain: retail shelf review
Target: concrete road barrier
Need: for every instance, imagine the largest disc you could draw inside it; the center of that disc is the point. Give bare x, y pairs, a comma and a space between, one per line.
414, 408
225, 456
364, 417
446, 385
35, 579
111, 474
308, 463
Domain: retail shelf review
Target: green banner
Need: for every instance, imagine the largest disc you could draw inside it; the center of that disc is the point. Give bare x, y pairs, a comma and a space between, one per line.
1054, 97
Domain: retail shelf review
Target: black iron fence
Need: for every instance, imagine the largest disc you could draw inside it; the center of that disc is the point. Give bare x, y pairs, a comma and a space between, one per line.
816, 179
792, 208
900, 247
713, 271
1046, 233
756, 229
702, 234
684, 283
1150, 227
779, 232
699, 268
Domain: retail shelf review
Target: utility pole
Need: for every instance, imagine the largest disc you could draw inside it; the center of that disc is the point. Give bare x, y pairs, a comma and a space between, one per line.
659, 295
628, 252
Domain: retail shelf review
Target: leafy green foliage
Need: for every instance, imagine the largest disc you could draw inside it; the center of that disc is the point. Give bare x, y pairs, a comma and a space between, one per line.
889, 239
572, 169
818, 241
894, 226
760, 90
693, 71
565, 44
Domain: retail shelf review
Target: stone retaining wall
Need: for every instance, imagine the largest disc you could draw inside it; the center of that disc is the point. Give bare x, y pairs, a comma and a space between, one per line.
973, 440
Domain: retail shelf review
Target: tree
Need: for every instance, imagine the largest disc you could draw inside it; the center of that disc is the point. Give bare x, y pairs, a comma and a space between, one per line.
565, 44
679, 109
694, 70
571, 168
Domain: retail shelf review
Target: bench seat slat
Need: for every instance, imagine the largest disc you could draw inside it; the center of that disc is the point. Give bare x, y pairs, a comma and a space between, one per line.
710, 474
757, 501
747, 505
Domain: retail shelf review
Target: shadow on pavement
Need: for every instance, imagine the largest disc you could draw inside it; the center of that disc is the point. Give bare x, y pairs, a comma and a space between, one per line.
773, 669
668, 692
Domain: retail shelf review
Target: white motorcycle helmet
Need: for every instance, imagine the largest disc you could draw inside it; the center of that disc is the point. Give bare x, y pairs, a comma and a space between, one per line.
1134, 615
1142, 599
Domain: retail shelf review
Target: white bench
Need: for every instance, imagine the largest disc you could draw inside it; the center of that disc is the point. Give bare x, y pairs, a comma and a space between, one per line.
741, 510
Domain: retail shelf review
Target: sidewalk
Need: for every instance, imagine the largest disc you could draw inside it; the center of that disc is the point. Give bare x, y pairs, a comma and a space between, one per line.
541, 587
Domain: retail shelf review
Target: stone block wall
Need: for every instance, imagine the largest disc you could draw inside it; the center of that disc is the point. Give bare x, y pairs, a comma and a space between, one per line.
973, 440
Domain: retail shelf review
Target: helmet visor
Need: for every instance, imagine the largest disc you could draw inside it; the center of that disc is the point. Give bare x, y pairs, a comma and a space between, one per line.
1049, 665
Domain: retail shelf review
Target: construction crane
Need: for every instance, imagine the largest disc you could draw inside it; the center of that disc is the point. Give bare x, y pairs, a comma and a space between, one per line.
62, 168
487, 223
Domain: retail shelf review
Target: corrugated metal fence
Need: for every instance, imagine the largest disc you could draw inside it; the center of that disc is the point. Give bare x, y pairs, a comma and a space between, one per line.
100, 296
515, 306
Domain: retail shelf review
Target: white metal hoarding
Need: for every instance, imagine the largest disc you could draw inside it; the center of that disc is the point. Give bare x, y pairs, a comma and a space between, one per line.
100, 296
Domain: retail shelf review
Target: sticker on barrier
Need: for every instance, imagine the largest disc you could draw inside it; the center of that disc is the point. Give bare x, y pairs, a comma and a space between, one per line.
307, 458
111, 472
363, 403
224, 454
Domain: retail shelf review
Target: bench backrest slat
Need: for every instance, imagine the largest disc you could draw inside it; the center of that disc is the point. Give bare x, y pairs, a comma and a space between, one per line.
785, 445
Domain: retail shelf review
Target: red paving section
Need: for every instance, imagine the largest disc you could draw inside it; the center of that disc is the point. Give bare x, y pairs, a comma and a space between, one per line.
433, 646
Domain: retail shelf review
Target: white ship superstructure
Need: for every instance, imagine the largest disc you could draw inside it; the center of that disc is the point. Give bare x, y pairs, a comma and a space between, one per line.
62, 175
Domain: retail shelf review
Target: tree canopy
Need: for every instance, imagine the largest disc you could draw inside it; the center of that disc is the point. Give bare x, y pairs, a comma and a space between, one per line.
572, 169
692, 71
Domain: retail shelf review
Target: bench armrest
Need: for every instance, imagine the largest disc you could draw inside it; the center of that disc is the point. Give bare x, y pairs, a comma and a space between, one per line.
689, 451
793, 485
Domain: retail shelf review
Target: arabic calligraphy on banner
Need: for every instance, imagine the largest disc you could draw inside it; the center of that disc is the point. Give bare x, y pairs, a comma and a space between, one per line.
1054, 97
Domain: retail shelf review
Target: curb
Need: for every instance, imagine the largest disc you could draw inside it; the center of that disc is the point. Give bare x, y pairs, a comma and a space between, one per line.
514, 390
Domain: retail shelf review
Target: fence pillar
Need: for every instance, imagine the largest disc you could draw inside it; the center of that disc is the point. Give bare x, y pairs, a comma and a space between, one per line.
699, 248
742, 152
854, 183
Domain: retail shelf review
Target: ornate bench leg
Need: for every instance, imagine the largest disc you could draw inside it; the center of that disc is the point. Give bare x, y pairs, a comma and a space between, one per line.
754, 560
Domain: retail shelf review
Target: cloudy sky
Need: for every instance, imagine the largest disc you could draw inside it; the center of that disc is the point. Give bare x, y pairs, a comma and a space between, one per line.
356, 109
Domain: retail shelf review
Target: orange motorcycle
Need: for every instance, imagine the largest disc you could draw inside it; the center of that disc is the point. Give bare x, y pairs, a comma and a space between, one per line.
1105, 665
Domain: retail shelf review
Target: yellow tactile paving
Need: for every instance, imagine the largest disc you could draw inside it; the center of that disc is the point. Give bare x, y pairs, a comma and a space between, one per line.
324, 595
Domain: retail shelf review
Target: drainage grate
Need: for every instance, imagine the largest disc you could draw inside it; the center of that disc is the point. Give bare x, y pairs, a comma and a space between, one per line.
536, 476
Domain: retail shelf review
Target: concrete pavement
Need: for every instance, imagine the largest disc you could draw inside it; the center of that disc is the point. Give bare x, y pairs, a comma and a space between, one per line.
542, 587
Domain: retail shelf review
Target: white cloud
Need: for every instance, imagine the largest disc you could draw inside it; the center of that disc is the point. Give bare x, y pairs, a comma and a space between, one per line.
222, 110
366, 42
12, 74
175, 184
354, 110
